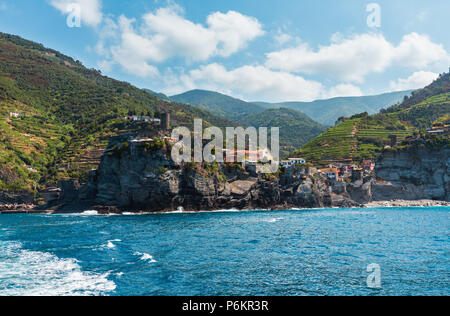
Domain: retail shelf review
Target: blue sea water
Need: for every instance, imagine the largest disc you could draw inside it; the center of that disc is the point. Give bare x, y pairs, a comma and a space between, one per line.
304, 252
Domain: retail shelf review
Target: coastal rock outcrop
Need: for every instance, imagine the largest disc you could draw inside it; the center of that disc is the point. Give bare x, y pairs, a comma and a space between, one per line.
137, 176
415, 173
142, 177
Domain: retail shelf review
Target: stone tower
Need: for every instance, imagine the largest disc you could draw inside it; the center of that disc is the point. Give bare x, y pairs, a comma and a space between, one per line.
165, 121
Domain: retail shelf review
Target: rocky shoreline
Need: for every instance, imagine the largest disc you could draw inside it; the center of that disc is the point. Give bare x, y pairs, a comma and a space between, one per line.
18, 208
100, 210
406, 203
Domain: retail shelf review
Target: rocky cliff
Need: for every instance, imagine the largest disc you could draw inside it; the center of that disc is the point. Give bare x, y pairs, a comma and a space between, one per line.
413, 173
142, 177
139, 176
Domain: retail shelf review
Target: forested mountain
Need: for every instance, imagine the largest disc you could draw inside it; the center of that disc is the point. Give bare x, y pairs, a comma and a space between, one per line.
217, 103
296, 128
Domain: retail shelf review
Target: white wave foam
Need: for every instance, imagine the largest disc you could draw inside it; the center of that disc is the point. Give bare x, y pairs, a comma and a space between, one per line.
91, 213
146, 257
274, 220
111, 244
339, 212
35, 273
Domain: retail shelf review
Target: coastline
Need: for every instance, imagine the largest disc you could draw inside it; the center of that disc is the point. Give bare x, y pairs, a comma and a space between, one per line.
406, 203
31, 209
18, 209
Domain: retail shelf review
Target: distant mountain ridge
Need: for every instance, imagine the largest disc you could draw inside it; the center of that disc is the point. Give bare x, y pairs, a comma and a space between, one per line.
218, 103
162, 96
328, 111
325, 111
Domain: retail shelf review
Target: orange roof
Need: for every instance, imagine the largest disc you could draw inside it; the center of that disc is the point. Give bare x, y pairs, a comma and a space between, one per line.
329, 170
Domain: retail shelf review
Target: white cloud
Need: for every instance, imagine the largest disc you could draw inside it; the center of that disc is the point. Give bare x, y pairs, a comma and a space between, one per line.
91, 10
349, 60
417, 80
255, 83
353, 58
166, 34
233, 31
418, 51
139, 45
251, 81
3, 6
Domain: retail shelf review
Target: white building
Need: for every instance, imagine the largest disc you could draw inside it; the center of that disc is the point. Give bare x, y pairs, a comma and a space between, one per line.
15, 114
297, 161
138, 118
292, 162
285, 163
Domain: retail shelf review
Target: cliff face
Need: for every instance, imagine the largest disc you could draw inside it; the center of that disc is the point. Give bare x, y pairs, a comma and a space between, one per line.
139, 179
142, 178
413, 174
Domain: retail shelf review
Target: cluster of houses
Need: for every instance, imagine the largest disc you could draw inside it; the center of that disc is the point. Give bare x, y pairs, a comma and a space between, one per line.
336, 171
341, 171
250, 156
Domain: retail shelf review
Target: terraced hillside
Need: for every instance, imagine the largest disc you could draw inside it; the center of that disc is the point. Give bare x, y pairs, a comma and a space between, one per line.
364, 136
68, 112
27, 146
335, 144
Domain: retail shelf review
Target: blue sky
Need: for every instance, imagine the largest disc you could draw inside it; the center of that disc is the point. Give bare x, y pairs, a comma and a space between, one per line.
283, 50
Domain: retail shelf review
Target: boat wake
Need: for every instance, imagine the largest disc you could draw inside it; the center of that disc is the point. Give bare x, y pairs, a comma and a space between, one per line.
35, 273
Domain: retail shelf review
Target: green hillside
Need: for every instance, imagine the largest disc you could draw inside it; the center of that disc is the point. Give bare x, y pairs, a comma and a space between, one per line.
296, 128
328, 111
69, 113
217, 103
27, 146
363, 136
